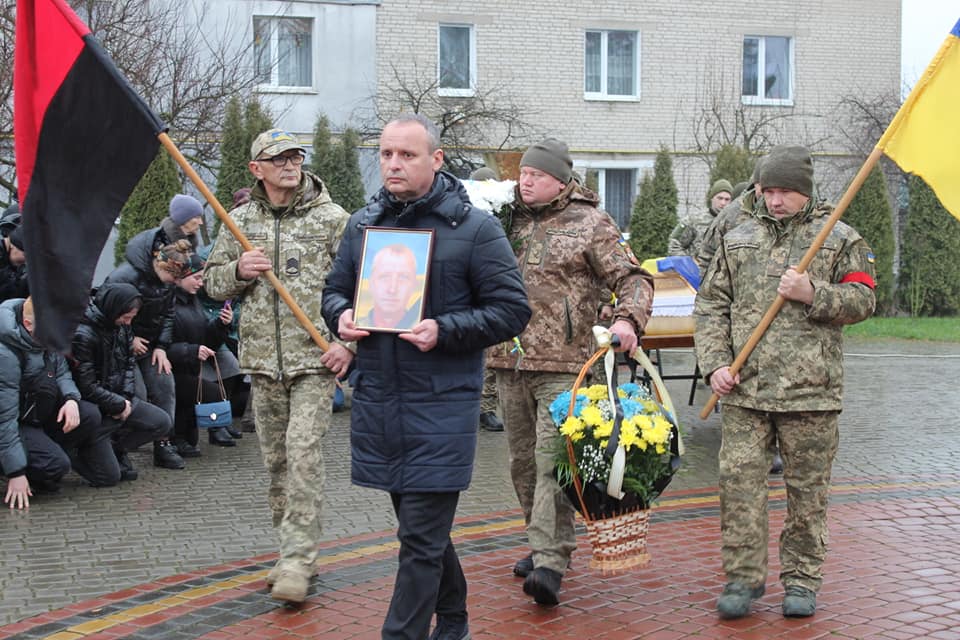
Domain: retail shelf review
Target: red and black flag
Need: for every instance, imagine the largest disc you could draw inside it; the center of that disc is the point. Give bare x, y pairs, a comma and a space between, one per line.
83, 140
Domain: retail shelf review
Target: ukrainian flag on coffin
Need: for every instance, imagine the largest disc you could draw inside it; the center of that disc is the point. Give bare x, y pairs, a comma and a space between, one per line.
924, 137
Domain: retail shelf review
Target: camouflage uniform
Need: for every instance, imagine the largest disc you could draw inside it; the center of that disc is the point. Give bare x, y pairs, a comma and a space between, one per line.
791, 386
739, 210
686, 236
488, 399
292, 391
568, 250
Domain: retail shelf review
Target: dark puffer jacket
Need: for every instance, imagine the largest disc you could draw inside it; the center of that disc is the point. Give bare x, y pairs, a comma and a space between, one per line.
414, 417
154, 323
103, 358
192, 328
22, 365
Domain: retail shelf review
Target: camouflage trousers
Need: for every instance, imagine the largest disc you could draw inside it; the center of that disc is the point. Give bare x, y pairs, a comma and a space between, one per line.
488, 400
808, 443
292, 416
525, 398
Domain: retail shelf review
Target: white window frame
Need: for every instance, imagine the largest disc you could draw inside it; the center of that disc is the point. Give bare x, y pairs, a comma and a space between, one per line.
602, 94
455, 92
274, 85
601, 167
760, 99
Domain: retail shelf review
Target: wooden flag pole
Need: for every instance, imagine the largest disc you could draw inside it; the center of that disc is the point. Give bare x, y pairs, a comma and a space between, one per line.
242, 239
808, 257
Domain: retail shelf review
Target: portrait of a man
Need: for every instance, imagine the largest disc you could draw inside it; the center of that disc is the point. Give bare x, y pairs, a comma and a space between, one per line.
391, 293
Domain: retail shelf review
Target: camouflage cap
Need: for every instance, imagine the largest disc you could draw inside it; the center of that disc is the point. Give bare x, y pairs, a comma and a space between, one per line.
273, 142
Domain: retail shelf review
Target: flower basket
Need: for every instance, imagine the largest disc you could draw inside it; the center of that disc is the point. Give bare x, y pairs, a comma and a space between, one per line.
621, 448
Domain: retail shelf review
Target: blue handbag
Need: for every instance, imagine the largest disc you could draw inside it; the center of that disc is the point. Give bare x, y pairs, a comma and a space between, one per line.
211, 415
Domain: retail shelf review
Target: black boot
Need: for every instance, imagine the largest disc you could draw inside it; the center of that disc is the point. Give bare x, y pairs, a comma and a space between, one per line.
235, 433
187, 450
127, 471
220, 437
165, 455
490, 422
544, 585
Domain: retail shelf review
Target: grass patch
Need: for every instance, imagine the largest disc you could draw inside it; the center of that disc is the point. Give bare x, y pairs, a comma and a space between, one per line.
929, 329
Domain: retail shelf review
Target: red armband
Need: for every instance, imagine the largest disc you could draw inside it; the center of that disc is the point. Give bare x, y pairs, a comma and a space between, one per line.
861, 277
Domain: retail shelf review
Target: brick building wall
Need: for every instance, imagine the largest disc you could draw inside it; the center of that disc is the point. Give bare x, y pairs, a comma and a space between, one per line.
690, 58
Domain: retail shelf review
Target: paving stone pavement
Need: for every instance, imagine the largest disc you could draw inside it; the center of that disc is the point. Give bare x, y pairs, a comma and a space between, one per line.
899, 430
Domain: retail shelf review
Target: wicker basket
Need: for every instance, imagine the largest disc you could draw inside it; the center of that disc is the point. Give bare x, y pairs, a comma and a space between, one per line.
619, 542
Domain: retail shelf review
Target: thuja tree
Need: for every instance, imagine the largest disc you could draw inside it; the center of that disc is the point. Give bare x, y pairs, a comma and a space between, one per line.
348, 192
655, 210
338, 165
323, 162
234, 154
929, 269
870, 213
733, 163
256, 120
149, 203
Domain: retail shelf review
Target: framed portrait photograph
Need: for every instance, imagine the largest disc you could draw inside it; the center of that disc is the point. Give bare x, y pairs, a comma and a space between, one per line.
394, 270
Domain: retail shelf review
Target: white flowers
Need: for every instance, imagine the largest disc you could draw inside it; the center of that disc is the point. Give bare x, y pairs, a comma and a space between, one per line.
490, 195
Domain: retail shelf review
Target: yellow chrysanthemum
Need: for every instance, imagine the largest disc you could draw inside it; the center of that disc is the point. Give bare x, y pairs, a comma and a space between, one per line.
571, 426
661, 448
596, 392
642, 444
591, 415
577, 436
629, 436
603, 430
604, 443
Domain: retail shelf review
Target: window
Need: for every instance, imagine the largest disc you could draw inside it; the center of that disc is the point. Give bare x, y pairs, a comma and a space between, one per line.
617, 189
767, 70
456, 60
283, 49
611, 65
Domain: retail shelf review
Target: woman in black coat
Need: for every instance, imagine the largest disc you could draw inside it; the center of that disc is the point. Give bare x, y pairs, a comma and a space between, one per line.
197, 342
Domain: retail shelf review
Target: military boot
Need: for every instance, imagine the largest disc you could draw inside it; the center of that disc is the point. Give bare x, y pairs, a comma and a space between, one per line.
798, 602
290, 586
544, 585
736, 598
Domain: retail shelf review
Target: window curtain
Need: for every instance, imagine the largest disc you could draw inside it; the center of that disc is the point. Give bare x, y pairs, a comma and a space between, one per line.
454, 57
591, 63
776, 63
621, 47
751, 59
261, 50
619, 187
294, 53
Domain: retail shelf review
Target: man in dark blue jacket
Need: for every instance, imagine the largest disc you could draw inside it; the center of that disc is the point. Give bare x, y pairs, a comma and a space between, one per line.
416, 400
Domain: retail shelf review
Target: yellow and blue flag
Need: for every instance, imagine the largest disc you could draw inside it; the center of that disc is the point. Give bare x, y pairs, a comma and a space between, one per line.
924, 137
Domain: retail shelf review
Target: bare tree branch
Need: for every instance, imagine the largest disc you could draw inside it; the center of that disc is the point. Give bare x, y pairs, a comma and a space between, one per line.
492, 119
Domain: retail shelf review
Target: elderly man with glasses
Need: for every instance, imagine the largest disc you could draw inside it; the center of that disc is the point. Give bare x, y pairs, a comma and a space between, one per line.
295, 228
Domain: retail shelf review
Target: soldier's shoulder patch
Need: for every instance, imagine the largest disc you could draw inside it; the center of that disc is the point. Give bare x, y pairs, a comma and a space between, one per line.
870, 257
628, 252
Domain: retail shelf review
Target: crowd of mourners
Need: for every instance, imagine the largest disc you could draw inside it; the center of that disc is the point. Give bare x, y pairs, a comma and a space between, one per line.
150, 347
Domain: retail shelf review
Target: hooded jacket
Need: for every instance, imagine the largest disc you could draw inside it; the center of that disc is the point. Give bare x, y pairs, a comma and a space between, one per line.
569, 253
103, 359
154, 323
414, 415
21, 366
301, 240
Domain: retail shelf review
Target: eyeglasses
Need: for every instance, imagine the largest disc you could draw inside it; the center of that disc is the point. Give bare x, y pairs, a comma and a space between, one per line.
281, 161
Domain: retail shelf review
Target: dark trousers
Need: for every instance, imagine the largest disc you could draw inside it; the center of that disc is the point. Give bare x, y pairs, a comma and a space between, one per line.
145, 423
429, 578
185, 422
47, 462
89, 447
155, 387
